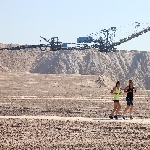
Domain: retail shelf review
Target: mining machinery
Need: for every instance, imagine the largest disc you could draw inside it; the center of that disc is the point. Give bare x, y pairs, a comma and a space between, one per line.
104, 42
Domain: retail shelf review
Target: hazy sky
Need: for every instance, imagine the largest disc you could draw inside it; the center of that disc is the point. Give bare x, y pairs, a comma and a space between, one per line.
24, 21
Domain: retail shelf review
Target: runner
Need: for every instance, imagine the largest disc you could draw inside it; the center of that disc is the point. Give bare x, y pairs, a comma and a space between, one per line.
116, 91
129, 90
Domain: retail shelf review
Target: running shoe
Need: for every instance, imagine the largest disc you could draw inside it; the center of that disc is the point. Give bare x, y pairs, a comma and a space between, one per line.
111, 117
116, 117
131, 117
123, 117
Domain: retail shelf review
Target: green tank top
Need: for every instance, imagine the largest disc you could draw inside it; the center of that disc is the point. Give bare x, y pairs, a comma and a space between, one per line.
116, 97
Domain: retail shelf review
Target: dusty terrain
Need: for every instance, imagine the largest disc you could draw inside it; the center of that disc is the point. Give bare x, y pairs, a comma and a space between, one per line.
27, 95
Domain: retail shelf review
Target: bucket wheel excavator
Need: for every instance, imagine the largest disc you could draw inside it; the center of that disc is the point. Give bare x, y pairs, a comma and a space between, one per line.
104, 42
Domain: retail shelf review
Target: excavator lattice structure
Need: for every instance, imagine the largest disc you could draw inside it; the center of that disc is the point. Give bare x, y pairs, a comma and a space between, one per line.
104, 43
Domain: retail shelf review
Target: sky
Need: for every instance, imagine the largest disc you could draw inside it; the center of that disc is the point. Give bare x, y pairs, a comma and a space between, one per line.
24, 21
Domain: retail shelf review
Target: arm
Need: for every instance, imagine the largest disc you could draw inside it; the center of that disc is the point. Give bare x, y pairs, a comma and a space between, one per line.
112, 91
120, 91
134, 90
126, 89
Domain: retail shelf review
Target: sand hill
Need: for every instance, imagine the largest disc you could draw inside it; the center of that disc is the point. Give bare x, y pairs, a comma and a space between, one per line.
122, 65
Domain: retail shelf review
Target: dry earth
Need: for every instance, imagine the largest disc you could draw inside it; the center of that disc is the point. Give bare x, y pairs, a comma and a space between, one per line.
26, 95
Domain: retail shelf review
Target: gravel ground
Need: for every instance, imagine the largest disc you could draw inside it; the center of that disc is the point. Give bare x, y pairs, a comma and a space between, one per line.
58, 134
66, 96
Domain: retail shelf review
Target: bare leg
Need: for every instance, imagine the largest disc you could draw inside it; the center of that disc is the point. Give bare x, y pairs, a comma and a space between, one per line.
118, 108
115, 107
131, 109
126, 109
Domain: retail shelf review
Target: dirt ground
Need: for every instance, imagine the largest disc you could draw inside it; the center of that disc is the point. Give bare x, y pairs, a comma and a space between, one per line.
25, 94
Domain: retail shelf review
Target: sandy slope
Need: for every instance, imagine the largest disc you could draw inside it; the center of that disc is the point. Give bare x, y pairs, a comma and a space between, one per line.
122, 65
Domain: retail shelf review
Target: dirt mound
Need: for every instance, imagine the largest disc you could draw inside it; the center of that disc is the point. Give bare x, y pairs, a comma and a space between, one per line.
18, 60
122, 65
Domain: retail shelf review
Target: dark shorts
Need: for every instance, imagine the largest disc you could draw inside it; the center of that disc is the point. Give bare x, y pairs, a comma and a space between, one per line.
129, 101
116, 101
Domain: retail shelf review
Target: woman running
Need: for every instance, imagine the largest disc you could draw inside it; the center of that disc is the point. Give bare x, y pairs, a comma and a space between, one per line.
129, 90
116, 91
